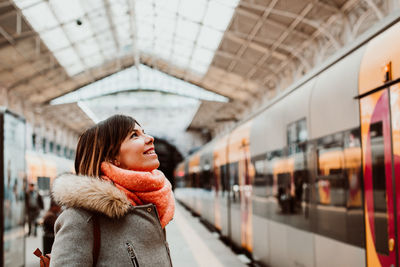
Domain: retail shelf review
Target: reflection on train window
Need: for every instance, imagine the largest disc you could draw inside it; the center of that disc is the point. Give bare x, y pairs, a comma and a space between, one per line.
352, 161
331, 180
379, 188
284, 196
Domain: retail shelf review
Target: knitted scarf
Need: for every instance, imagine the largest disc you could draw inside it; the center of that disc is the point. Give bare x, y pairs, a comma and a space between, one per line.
143, 188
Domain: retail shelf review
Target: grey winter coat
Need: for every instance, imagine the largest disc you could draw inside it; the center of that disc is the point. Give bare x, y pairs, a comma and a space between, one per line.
130, 235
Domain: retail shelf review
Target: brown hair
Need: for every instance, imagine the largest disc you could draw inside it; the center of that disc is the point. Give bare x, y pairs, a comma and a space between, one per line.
101, 143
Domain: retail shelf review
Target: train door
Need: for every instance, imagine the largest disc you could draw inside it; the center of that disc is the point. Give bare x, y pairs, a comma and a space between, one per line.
379, 182
395, 114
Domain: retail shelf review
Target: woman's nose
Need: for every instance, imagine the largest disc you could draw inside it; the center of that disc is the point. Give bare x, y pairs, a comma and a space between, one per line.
149, 139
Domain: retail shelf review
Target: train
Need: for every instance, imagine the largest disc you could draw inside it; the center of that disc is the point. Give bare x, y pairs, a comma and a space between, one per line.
312, 179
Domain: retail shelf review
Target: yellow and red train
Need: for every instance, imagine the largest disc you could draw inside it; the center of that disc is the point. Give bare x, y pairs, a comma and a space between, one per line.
314, 178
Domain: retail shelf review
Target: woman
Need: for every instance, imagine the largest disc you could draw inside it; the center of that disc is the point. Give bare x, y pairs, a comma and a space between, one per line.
117, 180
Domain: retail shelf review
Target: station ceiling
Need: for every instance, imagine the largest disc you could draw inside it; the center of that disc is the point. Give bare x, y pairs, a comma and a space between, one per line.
246, 50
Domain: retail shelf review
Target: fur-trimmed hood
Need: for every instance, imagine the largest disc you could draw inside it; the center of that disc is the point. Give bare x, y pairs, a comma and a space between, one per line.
93, 194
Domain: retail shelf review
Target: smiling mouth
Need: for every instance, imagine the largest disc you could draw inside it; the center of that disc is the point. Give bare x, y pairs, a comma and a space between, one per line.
150, 152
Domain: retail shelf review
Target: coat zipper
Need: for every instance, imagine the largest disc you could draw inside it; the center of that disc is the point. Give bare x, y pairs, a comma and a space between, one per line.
132, 254
162, 234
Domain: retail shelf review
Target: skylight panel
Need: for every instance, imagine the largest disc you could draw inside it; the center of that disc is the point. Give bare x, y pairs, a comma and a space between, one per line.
145, 8
199, 67
218, 16
209, 38
26, 3
78, 32
151, 79
119, 8
40, 17
90, 5
180, 61
87, 47
193, 10
202, 55
93, 61
199, 23
183, 48
75, 68
228, 3
187, 30
164, 24
170, 6
67, 10
66, 57
99, 23
124, 32
55, 39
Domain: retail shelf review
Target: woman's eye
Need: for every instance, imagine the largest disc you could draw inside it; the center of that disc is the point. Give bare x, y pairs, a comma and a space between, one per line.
134, 135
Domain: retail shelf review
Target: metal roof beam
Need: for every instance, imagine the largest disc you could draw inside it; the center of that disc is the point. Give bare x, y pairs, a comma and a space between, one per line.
309, 22
253, 32
281, 38
235, 57
240, 38
375, 8
344, 8
331, 7
270, 21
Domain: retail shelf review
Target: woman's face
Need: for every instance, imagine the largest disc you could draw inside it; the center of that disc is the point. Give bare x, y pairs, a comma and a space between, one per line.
137, 152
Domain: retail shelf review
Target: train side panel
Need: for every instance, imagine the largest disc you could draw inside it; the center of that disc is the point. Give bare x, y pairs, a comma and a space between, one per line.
292, 112
333, 104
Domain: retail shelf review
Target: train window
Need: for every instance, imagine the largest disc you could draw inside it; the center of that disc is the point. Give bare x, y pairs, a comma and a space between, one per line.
291, 133
51, 147
297, 132
260, 181
379, 188
234, 181
224, 178
44, 145
302, 133
34, 141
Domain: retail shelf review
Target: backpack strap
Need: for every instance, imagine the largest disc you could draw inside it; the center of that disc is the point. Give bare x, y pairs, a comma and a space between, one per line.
96, 239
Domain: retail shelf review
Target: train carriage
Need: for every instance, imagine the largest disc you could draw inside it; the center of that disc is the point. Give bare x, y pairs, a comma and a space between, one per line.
312, 180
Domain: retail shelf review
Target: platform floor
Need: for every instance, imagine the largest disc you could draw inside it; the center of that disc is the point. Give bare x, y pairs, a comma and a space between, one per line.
190, 242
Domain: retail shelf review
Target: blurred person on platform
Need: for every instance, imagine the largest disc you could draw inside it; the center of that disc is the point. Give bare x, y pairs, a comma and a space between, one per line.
49, 220
118, 187
33, 205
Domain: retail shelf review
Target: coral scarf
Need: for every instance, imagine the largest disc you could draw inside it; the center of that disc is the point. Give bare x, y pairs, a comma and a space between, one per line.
143, 188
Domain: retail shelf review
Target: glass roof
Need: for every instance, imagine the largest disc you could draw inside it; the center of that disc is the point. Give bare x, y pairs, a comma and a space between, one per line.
86, 33
142, 78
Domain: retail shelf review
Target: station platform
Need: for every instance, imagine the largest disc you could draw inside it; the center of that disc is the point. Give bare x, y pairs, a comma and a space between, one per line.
190, 242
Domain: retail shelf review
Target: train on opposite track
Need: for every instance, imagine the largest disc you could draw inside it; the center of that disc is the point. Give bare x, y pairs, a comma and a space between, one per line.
314, 178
